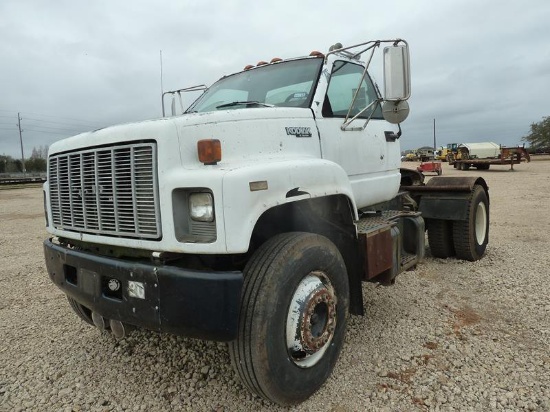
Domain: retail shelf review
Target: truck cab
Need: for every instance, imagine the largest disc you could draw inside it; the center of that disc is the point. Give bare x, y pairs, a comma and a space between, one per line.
254, 216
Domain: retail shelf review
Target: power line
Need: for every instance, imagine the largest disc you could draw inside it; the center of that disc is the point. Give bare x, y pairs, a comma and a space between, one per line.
61, 117
62, 123
75, 122
51, 128
55, 133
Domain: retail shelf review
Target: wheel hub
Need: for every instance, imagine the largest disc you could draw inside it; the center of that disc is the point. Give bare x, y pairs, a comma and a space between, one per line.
311, 319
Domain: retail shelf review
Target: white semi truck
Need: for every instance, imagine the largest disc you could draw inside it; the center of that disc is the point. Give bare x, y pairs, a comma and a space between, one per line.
255, 216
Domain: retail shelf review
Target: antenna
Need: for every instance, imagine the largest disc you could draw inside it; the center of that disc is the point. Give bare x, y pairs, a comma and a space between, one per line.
161, 86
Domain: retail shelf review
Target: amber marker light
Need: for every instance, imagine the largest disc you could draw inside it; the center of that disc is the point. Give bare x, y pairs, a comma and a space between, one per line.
210, 151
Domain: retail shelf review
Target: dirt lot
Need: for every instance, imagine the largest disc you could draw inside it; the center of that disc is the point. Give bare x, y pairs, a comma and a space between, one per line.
451, 335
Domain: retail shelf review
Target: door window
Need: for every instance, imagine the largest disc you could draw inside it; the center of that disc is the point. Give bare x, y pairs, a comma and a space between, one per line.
343, 85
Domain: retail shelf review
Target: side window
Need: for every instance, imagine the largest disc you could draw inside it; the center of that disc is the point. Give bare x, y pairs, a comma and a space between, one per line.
344, 83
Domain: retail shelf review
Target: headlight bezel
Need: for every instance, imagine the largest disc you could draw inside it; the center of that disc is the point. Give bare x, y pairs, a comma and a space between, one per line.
187, 229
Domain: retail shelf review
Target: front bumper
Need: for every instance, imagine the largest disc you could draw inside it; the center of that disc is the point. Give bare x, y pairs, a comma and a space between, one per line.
197, 304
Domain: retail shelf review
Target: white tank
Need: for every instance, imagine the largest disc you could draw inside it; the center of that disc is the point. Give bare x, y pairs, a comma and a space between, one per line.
484, 150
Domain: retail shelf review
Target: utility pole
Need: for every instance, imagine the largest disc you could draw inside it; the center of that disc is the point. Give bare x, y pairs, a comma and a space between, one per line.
21, 140
435, 145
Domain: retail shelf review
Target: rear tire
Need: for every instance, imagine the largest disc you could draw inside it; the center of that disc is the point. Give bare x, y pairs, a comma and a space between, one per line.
293, 317
440, 238
470, 237
83, 312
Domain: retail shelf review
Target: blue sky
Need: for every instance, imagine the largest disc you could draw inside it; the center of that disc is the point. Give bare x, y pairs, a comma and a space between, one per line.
480, 69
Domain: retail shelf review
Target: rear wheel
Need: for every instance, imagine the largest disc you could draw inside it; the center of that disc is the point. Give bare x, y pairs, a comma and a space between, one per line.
440, 238
470, 237
83, 312
293, 317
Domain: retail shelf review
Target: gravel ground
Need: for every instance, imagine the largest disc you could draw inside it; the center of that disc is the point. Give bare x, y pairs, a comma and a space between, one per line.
449, 336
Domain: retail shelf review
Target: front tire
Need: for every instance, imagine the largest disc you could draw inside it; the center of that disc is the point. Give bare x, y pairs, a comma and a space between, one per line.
293, 317
470, 237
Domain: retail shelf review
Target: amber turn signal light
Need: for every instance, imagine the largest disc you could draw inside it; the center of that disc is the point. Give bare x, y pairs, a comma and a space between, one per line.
210, 151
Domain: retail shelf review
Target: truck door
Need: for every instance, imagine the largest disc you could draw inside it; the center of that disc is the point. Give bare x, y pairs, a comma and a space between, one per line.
362, 152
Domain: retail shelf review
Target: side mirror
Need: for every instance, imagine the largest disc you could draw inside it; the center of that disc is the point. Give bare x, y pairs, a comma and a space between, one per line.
397, 75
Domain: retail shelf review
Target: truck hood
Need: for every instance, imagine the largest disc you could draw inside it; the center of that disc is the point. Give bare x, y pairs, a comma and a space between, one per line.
245, 134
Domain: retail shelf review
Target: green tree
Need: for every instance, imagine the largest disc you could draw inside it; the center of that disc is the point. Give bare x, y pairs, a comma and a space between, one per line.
540, 134
9, 165
37, 161
35, 164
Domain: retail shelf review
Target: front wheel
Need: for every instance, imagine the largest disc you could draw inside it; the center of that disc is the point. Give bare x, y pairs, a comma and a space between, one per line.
293, 317
470, 237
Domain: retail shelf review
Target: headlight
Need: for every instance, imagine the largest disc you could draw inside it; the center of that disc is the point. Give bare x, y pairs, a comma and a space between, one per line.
201, 207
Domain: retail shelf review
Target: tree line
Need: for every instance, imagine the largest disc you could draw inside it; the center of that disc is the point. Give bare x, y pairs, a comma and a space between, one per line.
35, 164
539, 136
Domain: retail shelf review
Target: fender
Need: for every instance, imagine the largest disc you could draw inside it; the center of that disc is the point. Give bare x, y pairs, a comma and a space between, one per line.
249, 191
446, 198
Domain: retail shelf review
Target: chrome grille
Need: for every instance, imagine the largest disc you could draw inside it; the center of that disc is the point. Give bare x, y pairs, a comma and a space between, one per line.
109, 191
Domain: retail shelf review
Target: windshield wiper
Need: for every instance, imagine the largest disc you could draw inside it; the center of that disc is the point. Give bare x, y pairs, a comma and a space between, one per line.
245, 103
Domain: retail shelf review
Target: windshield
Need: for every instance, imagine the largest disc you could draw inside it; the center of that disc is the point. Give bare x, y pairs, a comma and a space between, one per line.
284, 84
